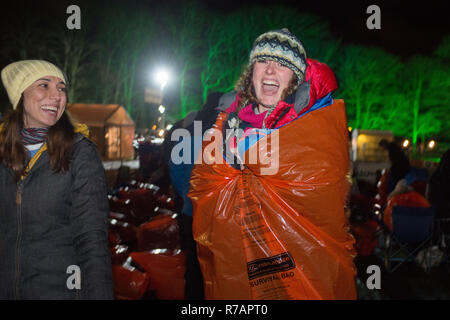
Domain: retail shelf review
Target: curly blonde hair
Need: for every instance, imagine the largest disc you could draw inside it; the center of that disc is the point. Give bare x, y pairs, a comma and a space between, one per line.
244, 86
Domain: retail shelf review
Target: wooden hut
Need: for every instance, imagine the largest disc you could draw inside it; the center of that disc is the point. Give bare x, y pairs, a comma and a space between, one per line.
110, 126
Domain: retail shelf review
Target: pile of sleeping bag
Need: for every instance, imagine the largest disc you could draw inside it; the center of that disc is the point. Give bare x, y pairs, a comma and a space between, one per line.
144, 243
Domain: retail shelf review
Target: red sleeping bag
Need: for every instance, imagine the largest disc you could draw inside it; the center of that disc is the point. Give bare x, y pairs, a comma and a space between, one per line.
161, 232
129, 283
166, 273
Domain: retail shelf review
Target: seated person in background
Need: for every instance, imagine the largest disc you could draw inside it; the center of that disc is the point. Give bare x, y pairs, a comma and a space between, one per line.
401, 187
417, 178
413, 180
403, 195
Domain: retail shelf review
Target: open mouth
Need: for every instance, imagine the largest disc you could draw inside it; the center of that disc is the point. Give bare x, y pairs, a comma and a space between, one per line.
270, 87
52, 110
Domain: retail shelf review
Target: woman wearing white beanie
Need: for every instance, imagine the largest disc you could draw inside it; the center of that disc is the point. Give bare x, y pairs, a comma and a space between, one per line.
53, 199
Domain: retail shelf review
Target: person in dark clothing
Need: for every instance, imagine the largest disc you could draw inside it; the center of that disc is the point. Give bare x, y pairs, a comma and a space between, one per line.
400, 165
53, 200
180, 174
439, 191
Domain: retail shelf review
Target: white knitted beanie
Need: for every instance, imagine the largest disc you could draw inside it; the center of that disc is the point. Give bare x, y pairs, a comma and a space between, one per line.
18, 76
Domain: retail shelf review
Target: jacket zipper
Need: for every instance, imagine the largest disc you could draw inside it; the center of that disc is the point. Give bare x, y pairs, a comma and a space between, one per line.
19, 237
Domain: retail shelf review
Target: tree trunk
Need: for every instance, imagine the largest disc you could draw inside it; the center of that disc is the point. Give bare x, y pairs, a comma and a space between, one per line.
416, 110
183, 97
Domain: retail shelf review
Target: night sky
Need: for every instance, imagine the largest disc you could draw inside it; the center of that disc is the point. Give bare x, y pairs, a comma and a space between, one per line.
407, 27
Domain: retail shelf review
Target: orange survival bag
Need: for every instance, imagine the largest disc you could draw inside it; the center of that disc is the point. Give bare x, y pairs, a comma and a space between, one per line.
282, 235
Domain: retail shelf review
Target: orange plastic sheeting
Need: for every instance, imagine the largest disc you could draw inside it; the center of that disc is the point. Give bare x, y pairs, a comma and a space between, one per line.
166, 272
408, 199
161, 232
284, 235
129, 283
119, 253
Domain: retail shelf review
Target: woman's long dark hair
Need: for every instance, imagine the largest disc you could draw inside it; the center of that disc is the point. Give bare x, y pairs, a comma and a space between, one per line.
12, 151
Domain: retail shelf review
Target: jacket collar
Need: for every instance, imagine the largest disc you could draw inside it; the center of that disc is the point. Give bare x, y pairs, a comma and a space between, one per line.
81, 132
256, 119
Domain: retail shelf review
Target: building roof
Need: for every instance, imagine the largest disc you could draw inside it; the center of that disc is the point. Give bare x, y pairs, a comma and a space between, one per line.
99, 115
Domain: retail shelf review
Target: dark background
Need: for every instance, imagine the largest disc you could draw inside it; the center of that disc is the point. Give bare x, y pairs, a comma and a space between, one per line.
407, 27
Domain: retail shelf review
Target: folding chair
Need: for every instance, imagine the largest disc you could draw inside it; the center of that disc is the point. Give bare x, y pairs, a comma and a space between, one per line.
443, 238
412, 231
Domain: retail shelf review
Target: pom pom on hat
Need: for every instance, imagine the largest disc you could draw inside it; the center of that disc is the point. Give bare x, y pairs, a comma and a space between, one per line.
18, 76
281, 46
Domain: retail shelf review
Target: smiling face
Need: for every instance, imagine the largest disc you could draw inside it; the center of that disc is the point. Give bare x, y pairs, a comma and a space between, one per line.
44, 102
270, 79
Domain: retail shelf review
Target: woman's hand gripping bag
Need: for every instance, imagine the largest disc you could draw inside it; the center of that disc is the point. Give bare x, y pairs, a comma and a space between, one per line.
277, 229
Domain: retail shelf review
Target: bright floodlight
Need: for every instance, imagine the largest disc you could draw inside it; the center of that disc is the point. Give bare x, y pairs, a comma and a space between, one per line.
162, 77
405, 143
431, 144
161, 109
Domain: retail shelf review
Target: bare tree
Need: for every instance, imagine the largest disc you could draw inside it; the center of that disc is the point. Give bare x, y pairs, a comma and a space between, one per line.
124, 41
365, 75
230, 37
423, 90
187, 31
71, 50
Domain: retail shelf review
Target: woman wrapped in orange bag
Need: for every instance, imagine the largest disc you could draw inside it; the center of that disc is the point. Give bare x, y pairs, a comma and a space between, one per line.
269, 186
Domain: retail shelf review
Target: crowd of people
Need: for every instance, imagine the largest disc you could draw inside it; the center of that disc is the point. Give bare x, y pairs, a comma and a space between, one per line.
248, 233
405, 185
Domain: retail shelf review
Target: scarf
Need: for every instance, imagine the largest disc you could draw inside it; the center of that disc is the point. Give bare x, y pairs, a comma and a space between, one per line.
34, 135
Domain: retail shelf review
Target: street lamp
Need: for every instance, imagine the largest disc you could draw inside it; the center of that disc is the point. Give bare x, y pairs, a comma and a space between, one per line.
405, 143
161, 77
431, 144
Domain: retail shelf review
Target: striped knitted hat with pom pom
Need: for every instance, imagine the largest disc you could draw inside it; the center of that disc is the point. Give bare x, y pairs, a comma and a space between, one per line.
281, 46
